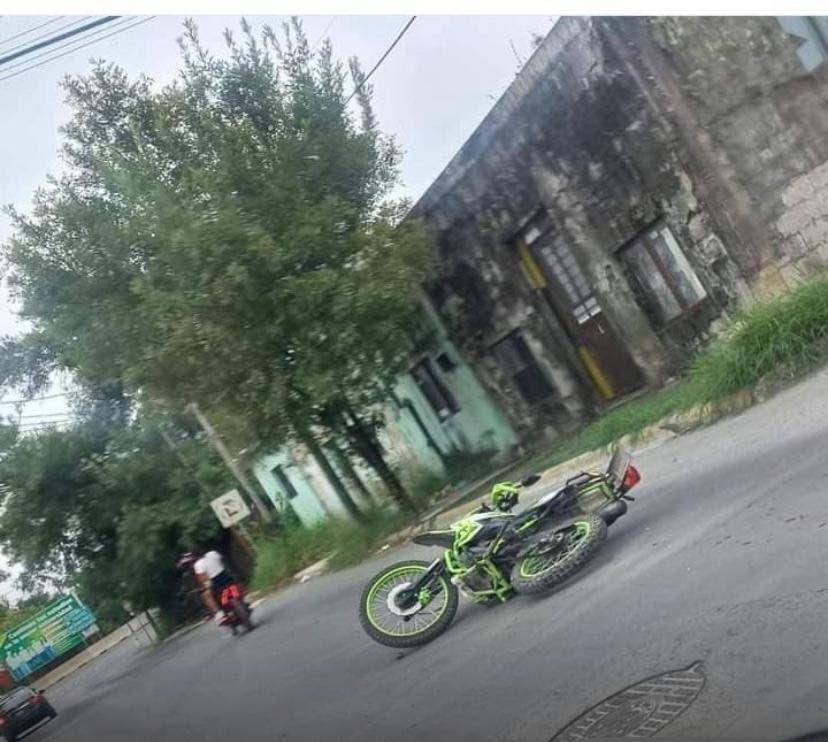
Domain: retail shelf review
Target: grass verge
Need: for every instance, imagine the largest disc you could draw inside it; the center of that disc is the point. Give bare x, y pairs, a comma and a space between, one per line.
278, 559
773, 340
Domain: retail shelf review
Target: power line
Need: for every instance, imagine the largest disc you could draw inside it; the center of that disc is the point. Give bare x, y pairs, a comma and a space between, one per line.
60, 37
381, 59
63, 416
44, 415
26, 431
30, 30
89, 37
76, 48
44, 423
324, 33
35, 399
47, 34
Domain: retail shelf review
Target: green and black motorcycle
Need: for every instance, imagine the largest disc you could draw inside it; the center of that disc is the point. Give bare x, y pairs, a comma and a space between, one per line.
492, 554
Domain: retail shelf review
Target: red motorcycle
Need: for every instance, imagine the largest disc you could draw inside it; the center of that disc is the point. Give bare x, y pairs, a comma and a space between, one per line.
228, 592
236, 609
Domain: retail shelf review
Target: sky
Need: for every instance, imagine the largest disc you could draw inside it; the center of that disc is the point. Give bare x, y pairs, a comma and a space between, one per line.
430, 93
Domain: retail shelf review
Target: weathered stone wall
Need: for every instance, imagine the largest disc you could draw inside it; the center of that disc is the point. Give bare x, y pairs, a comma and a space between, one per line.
580, 140
767, 114
709, 125
803, 225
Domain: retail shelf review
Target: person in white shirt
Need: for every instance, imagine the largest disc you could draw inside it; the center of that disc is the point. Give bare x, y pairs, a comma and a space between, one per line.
212, 575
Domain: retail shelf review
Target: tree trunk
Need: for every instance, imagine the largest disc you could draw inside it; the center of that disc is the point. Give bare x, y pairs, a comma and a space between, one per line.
351, 473
331, 475
365, 443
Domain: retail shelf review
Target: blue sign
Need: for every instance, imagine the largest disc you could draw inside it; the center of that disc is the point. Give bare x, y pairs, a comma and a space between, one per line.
51, 632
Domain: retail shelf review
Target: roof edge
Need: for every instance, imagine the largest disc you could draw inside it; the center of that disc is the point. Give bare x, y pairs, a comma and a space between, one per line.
545, 56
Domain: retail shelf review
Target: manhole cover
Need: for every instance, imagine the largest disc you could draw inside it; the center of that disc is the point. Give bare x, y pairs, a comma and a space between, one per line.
642, 710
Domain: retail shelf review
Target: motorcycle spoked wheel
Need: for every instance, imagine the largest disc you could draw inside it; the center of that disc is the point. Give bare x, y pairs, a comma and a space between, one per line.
535, 573
386, 622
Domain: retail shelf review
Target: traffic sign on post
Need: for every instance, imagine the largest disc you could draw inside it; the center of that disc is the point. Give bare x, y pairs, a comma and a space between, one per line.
230, 508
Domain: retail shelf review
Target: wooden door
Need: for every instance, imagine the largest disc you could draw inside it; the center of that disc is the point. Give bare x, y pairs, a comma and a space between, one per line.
568, 290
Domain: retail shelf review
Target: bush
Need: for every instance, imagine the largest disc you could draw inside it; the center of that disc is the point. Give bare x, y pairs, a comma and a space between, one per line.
346, 542
780, 337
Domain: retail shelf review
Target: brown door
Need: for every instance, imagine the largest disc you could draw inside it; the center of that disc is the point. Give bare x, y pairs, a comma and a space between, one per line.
566, 288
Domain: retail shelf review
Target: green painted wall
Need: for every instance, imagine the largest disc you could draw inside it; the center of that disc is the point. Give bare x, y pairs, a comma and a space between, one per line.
307, 504
417, 443
477, 427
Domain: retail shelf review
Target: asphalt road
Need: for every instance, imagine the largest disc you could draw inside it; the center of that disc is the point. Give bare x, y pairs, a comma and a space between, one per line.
723, 559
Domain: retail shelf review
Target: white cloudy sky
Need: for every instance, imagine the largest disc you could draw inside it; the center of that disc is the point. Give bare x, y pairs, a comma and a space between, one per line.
431, 93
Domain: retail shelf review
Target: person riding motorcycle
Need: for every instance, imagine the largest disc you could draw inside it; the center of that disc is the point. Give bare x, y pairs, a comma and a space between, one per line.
211, 575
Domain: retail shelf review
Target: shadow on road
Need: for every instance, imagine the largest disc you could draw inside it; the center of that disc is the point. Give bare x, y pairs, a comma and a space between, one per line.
265, 619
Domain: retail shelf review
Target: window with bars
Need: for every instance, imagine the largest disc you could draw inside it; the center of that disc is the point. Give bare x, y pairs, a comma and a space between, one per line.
516, 359
664, 273
561, 262
442, 401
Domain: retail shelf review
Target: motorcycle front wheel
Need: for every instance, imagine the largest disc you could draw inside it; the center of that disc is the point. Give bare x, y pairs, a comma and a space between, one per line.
388, 623
544, 569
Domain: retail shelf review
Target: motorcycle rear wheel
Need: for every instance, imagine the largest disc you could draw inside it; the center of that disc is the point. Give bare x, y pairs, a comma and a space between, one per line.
536, 573
426, 623
239, 608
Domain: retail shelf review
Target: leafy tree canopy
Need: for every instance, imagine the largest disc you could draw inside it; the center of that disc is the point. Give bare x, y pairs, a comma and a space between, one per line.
106, 510
229, 239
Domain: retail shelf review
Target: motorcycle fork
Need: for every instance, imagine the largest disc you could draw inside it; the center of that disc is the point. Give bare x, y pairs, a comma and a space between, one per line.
427, 580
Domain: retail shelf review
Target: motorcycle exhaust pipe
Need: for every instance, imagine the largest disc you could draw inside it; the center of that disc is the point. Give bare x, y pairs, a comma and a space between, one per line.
612, 511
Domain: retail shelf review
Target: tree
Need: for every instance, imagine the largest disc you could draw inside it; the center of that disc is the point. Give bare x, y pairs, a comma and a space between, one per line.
230, 240
107, 510
11, 616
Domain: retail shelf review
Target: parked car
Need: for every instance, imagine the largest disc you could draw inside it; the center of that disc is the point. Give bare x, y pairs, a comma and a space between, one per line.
22, 709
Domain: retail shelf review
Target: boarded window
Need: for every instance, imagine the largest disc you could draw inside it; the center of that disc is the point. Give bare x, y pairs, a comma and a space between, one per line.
434, 390
515, 358
665, 274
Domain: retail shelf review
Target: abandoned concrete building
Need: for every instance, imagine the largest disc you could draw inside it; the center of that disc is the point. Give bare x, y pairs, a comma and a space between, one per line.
639, 180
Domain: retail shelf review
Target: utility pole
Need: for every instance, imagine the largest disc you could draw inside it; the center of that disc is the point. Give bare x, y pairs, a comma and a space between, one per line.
239, 531
234, 468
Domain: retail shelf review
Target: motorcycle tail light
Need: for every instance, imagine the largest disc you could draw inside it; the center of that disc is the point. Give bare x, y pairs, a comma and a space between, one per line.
631, 478
3, 720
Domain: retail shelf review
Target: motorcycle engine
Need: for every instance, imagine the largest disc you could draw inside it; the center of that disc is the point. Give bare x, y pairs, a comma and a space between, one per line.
476, 579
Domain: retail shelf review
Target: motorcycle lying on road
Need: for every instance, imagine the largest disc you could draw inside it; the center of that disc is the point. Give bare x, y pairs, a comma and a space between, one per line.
491, 554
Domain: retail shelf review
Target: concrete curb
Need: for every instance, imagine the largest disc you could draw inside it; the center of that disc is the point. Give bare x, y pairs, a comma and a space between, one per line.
314, 570
444, 504
184, 630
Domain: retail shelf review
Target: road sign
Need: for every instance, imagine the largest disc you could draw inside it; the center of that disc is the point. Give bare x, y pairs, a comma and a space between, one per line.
230, 508
35, 642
